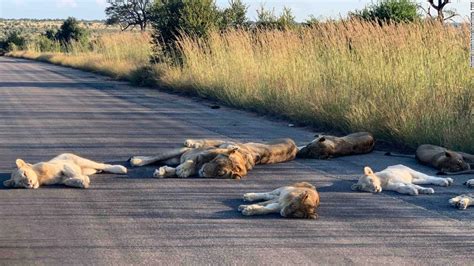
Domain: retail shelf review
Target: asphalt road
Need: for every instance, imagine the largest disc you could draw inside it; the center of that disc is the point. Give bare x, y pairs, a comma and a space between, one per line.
46, 110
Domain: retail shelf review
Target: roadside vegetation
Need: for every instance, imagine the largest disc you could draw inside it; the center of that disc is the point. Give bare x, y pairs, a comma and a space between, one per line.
406, 82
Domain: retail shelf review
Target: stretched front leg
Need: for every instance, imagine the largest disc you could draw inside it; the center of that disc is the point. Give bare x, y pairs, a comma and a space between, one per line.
402, 188
263, 203
423, 179
202, 143
91, 167
462, 201
262, 196
256, 209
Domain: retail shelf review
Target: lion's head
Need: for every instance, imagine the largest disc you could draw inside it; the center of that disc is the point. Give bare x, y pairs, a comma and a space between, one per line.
452, 162
22, 177
320, 148
369, 182
225, 165
301, 205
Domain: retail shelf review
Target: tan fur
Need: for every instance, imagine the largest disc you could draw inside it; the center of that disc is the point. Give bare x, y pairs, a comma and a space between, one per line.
298, 200
399, 178
218, 158
68, 169
444, 159
324, 147
462, 201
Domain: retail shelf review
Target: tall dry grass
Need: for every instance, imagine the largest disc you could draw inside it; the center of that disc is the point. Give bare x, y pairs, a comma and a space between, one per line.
117, 55
408, 83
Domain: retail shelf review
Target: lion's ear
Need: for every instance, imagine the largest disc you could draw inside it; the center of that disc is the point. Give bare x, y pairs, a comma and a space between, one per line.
317, 135
8, 183
322, 139
304, 196
447, 154
368, 171
20, 163
355, 187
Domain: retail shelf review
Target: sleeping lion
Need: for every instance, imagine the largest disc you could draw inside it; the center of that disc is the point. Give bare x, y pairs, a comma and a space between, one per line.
68, 169
399, 178
218, 158
462, 201
325, 146
298, 200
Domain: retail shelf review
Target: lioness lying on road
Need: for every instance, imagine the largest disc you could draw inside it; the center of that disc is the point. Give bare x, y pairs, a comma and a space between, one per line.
299, 200
462, 201
324, 147
399, 178
68, 169
446, 161
218, 158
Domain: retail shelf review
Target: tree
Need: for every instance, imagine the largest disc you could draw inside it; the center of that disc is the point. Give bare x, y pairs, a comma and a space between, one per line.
390, 11
234, 16
439, 7
171, 18
70, 30
129, 13
13, 41
268, 19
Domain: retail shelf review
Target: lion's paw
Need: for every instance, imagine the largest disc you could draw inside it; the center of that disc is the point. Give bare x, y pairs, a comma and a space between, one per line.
192, 144
137, 161
470, 183
447, 182
427, 191
249, 197
461, 202
249, 210
242, 207
159, 173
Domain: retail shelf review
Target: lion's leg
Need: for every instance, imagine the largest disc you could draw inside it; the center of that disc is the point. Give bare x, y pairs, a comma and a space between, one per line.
200, 143
78, 181
423, 190
422, 179
89, 164
402, 188
173, 161
256, 209
470, 183
186, 169
263, 203
144, 160
262, 196
165, 172
462, 201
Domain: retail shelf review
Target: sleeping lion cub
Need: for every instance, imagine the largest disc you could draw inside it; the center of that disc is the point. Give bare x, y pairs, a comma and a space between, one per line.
299, 200
462, 201
68, 169
218, 158
399, 178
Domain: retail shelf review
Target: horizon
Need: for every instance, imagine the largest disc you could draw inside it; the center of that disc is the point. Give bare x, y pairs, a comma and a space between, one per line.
94, 9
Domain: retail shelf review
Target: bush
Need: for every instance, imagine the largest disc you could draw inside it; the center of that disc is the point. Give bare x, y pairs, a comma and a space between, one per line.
172, 18
13, 41
71, 31
389, 11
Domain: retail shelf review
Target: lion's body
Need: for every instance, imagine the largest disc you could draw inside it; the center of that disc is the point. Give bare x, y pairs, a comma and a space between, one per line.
444, 159
324, 147
68, 169
399, 178
298, 200
462, 201
218, 158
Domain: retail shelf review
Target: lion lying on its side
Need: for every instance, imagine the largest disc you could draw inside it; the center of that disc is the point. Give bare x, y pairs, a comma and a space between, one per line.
218, 158
68, 169
324, 147
298, 200
462, 201
399, 178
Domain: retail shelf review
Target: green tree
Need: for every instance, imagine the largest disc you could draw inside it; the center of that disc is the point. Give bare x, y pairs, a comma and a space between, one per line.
390, 11
267, 19
12, 41
234, 16
171, 18
129, 13
71, 31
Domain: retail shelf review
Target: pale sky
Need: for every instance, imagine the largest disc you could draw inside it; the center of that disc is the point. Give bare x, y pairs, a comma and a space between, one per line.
94, 9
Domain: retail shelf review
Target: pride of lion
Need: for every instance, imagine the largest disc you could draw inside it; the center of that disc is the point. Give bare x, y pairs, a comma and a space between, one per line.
216, 158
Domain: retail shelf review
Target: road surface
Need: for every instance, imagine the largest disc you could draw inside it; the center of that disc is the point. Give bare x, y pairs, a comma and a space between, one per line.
46, 110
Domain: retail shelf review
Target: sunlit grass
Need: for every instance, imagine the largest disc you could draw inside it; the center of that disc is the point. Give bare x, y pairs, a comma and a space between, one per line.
407, 83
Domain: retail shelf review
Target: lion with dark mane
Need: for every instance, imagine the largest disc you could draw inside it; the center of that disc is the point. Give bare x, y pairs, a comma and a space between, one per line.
218, 158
